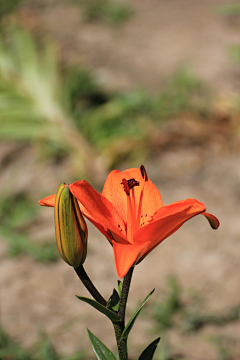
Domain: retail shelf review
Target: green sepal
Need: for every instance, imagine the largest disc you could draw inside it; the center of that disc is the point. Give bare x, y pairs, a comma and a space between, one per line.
120, 284
101, 351
148, 353
113, 301
131, 322
104, 310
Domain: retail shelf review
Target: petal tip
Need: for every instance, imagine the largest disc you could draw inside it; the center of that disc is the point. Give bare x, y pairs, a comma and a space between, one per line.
48, 201
213, 221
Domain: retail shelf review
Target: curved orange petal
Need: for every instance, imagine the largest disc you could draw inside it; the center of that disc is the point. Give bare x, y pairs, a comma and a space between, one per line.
99, 210
48, 201
126, 256
213, 221
166, 221
113, 191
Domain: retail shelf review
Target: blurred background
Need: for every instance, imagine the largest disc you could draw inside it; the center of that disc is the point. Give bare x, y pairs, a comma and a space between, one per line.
87, 86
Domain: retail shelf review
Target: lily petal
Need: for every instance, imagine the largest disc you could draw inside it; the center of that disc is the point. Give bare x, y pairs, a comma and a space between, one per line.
213, 221
166, 221
48, 201
113, 191
126, 256
98, 210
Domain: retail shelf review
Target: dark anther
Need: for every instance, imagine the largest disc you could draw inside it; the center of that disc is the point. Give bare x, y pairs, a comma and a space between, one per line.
141, 215
125, 186
118, 225
145, 215
132, 183
144, 173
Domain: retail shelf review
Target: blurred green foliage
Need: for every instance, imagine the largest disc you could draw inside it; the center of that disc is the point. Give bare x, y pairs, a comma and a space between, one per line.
127, 119
234, 52
17, 210
177, 95
31, 94
11, 350
165, 310
188, 314
18, 213
29, 89
46, 105
7, 6
233, 11
195, 319
225, 346
120, 116
228, 9
113, 12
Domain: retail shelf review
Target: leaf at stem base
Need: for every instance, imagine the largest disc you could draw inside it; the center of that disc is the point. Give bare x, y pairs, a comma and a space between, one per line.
104, 310
101, 351
148, 353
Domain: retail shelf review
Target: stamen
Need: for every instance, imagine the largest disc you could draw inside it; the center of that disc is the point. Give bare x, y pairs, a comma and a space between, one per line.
132, 183
144, 173
132, 223
145, 178
134, 209
125, 186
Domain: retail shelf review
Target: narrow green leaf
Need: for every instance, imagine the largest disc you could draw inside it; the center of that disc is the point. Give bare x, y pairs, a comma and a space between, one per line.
120, 287
104, 310
148, 353
101, 351
131, 322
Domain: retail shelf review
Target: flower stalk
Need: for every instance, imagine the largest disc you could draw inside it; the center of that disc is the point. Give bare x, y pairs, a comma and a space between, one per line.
122, 343
83, 276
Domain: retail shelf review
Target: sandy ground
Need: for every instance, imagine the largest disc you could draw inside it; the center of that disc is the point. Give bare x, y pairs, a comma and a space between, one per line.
160, 37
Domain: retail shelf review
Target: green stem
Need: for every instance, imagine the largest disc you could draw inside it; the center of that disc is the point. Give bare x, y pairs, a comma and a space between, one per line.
119, 327
83, 276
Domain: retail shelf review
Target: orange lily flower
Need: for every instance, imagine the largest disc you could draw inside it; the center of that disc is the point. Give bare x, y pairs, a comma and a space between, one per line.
130, 213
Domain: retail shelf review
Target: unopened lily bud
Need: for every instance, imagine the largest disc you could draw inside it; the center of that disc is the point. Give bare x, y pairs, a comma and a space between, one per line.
71, 228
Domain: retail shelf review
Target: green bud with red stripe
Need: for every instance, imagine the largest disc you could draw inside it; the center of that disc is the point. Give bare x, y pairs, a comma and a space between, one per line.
70, 227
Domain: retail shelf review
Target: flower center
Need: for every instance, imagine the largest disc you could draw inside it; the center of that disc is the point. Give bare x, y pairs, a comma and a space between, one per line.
134, 220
